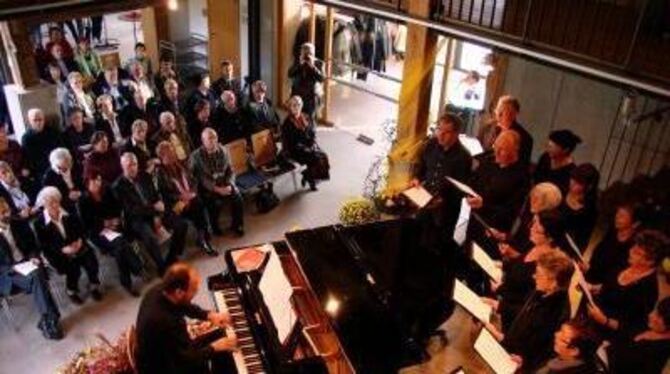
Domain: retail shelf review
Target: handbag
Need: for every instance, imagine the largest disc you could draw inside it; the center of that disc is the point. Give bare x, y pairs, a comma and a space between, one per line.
320, 170
266, 199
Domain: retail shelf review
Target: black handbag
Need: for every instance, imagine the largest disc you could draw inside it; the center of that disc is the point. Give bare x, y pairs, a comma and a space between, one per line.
266, 199
320, 170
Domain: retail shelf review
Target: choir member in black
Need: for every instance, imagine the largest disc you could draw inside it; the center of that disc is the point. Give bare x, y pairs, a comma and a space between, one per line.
178, 188
575, 346
610, 256
140, 108
12, 153
145, 213
113, 81
299, 140
624, 301
108, 120
502, 185
175, 133
163, 343
165, 72
546, 233
38, 142
64, 176
579, 204
62, 241
202, 91
104, 159
17, 245
646, 350
506, 112
230, 121
556, 163
228, 82
138, 145
101, 215
211, 167
530, 336
78, 133
444, 156
306, 74
260, 110
200, 121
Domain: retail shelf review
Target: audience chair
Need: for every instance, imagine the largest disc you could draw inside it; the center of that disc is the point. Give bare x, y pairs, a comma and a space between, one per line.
246, 176
266, 157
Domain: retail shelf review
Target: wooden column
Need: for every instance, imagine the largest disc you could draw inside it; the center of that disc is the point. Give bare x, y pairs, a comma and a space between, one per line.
312, 23
495, 81
288, 22
328, 58
223, 21
414, 104
20, 56
154, 29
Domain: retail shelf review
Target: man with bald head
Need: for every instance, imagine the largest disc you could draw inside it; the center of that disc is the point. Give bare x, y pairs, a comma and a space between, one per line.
163, 343
211, 166
502, 184
38, 142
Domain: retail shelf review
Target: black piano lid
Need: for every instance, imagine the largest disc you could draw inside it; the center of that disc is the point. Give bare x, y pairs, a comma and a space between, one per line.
374, 321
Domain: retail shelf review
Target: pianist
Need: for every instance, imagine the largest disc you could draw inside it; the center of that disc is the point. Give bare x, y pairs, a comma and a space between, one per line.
163, 343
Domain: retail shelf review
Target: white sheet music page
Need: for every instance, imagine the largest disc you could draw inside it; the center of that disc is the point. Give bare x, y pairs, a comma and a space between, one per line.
25, 268
583, 285
418, 196
471, 302
494, 354
486, 263
461, 229
463, 187
276, 290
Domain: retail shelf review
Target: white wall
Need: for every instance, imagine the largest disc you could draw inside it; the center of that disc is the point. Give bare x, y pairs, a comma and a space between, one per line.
244, 39
268, 43
178, 21
197, 22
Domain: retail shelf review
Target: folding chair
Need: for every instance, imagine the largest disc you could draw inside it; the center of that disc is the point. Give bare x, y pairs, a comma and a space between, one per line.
246, 177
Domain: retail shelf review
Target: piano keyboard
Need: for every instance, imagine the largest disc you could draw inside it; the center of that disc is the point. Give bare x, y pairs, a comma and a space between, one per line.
246, 357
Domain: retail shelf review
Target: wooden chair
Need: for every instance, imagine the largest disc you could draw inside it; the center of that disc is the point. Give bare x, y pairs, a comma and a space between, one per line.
246, 177
265, 157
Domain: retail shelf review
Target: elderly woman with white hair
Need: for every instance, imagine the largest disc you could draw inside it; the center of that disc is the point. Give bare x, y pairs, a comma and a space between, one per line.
299, 143
64, 177
60, 236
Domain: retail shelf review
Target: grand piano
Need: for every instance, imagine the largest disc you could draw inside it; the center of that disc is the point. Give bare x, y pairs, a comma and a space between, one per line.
364, 298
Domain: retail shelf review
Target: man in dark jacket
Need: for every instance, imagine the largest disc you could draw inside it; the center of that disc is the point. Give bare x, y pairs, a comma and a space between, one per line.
306, 75
163, 342
506, 112
228, 82
39, 141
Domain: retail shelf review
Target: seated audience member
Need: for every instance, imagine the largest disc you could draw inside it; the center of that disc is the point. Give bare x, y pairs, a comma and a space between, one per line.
38, 142
137, 144
103, 159
556, 163
502, 185
200, 121
56, 37
141, 58
88, 60
299, 141
65, 64
546, 234
78, 98
575, 346
163, 342
231, 123
228, 82
610, 256
145, 213
506, 112
530, 336
179, 190
65, 177
142, 81
78, 133
174, 133
579, 204
202, 91
111, 82
169, 101
62, 241
16, 196
624, 301
17, 245
211, 167
646, 350
165, 72
260, 110
101, 215
107, 120
444, 156
139, 109
12, 153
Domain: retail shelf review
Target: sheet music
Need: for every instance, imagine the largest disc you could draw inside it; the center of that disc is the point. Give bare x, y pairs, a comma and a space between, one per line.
463, 187
472, 144
471, 302
494, 354
109, 234
574, 247
277, 290
25, 268
583, 285
418, 196
486, 263
461, 229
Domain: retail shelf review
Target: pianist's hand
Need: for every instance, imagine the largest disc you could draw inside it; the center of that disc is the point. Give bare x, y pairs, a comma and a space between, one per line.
219, 319
224, 344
